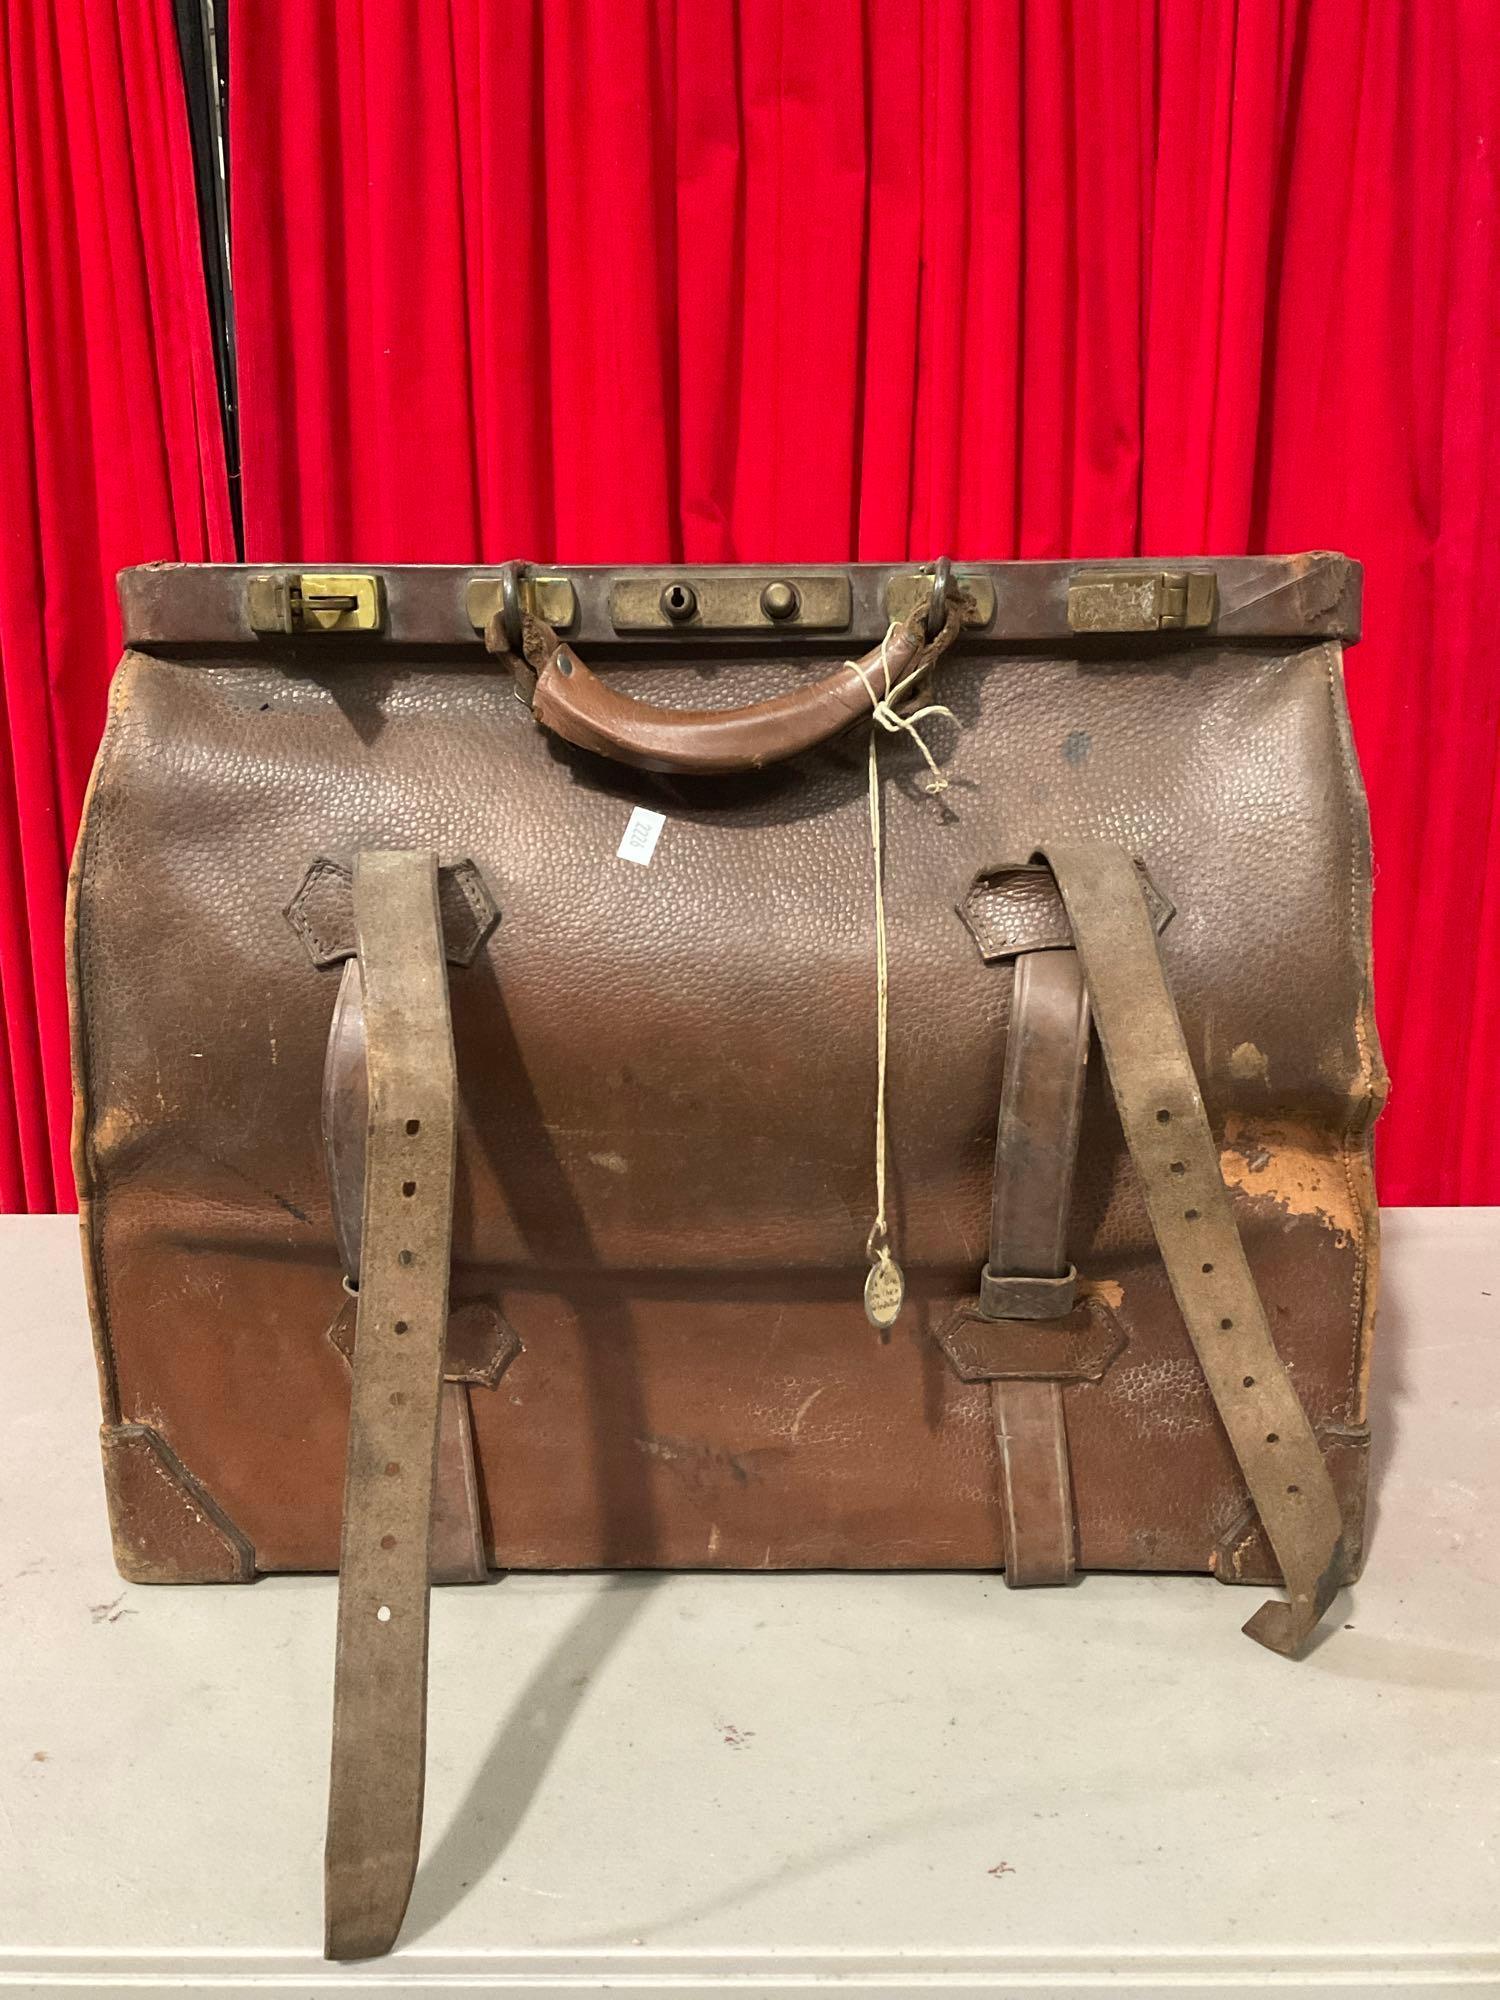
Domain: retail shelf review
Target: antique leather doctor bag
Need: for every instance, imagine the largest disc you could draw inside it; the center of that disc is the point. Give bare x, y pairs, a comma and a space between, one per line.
818, 1067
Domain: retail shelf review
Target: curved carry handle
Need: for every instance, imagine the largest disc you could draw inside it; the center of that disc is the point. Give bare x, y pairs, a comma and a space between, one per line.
575, 704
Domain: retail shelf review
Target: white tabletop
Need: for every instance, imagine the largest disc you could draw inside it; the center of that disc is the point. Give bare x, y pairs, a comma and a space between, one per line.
689, 1782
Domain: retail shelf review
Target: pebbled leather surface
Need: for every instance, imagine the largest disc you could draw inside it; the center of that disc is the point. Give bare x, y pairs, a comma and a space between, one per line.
666, 1082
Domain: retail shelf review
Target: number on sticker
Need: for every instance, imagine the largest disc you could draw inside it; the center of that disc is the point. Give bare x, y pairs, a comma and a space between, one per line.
641, 835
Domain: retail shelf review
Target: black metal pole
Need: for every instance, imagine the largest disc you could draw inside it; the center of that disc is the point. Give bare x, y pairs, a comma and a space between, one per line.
203, 46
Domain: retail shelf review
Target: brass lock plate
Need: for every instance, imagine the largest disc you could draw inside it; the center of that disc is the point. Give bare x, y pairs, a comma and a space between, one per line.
311, 601
1142, 600
736, 600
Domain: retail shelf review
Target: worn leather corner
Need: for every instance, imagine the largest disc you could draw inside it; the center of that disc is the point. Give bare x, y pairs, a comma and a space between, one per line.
167, 1527
481, 1342
322, 912
1014, 909
1243, 1554
1078, 1348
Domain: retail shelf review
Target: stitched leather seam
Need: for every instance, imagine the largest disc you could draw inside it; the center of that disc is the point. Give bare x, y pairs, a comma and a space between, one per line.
998, 1416
1064, 1479
94, 1193
464, 874
1357, 1120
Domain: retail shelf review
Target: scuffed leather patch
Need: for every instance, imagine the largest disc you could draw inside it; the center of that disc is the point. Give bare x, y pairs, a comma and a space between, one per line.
1011, 910
1079, 1348
481, 1342
1243, 1553
322, 912
166, 1527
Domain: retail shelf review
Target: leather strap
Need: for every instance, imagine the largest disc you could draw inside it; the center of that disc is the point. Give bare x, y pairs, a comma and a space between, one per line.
380, 1672
1036, 1491
1041, 1102
457, 1547
1177, 1160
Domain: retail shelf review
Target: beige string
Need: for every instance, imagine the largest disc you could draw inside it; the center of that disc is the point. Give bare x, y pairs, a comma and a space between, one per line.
885, 1287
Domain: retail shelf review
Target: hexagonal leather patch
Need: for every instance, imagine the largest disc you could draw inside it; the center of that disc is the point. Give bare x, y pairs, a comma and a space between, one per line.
1077, 1348
481, 1341
1011, 910
322, 911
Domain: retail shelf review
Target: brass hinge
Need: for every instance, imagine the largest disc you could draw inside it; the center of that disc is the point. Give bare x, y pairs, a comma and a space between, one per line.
316, 601
909, 588
550, 598
1142, 600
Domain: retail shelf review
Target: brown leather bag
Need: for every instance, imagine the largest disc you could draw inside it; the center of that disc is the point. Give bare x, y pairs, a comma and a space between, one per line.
584, 1068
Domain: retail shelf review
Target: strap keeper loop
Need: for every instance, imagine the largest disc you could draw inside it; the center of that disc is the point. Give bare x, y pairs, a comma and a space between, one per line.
1014, 1296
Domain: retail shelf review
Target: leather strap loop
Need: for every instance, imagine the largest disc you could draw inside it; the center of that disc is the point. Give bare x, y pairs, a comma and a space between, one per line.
380, 1673
1015, 1296
1167, 1131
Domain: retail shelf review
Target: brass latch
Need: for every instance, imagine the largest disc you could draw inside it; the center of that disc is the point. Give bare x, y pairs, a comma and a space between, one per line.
316, 601
1143, 600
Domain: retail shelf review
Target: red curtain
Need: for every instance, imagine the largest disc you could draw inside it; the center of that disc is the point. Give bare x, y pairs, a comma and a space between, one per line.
745, 279
110, 453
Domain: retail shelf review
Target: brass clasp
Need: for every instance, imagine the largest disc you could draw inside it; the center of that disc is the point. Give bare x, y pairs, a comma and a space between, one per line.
1143, 600
316, 601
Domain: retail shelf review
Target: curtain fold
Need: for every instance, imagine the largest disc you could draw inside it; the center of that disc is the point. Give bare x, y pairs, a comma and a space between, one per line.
110, 453
613, 280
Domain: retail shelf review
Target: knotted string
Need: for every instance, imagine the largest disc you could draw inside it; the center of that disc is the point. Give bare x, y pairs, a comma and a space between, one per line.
885, 1287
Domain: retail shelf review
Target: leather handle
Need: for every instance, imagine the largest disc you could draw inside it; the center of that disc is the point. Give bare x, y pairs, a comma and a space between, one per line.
576, 705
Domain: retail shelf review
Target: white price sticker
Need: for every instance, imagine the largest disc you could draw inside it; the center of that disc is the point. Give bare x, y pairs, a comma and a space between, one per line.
641, 836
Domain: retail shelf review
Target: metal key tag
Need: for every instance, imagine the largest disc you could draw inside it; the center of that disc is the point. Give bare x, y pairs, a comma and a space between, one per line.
885, 1289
